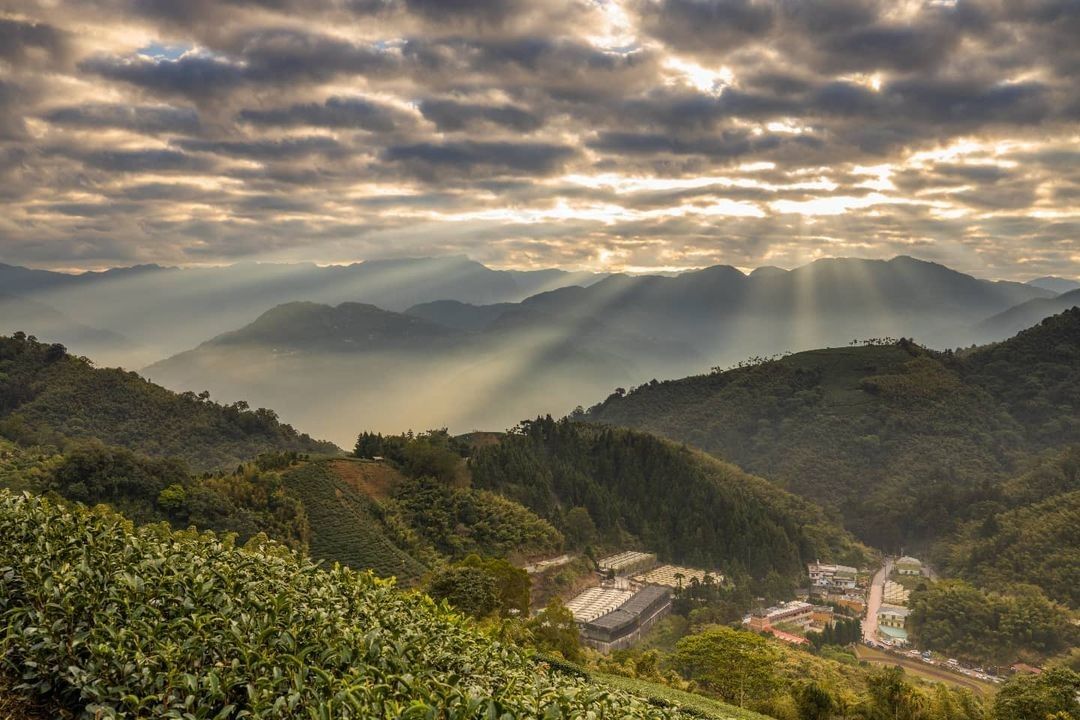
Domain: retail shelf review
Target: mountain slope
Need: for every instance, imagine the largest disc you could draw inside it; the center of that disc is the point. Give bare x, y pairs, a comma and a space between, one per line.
686, 506
1015, 319
901, 440
337, 370
50, 397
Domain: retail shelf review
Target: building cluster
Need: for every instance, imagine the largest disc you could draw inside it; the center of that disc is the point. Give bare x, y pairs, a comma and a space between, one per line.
795, 612
895, 593
635, 593
674, 576
627, 563
836, 584
893, 613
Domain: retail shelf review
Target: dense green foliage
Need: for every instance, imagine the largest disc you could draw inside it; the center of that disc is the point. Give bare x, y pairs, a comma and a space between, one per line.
347, 526
903, 441
684, 505
247, 501
1052, 695
843, 631
459, 521
112, 621
789, 682
468, 589
1029, 534
963, 621
736, 666
48, 397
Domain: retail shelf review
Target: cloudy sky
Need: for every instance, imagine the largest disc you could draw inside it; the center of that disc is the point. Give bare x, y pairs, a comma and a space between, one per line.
603, 134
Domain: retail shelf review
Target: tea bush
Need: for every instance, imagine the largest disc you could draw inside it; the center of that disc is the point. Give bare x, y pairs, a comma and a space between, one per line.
109, 620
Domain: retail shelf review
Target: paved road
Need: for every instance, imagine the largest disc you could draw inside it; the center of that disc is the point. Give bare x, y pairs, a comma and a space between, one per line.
873, 603
924, 670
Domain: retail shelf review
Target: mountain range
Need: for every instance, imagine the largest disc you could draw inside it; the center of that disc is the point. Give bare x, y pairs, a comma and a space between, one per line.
466, 365
172, 309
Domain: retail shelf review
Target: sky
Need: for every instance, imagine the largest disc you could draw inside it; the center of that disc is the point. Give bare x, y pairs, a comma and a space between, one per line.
596, 134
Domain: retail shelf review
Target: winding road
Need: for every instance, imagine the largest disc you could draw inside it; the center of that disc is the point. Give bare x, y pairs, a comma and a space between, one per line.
873, 602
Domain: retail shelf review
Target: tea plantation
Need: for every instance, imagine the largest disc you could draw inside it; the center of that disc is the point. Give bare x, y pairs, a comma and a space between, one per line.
345, 526
106, 620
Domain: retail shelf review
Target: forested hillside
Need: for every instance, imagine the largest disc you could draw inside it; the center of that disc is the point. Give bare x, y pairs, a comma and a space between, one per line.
637, 488
903, 441
1028, 534
48, 397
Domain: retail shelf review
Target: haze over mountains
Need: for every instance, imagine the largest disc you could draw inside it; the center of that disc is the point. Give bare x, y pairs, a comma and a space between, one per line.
448, 342
173, 309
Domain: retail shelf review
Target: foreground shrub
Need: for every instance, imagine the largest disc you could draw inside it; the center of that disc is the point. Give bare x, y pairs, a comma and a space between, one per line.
112, 621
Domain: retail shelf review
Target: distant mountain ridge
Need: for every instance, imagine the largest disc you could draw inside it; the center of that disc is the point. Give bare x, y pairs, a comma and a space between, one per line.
169, 310
1055, 284
1025, 315
568, 346
49, 324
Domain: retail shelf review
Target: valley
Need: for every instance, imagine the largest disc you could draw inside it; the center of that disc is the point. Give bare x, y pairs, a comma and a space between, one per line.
759, 501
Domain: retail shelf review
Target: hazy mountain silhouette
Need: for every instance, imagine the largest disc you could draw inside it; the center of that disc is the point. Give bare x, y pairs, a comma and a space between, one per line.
1024, 315
1055, 284
170, 309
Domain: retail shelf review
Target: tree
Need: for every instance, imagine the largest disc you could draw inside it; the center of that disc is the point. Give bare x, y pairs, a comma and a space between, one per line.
738, 666
892, 698
368, 445
1038, 697
172, 498
469, 589
814, 702
512, 583
554, 630
580, 528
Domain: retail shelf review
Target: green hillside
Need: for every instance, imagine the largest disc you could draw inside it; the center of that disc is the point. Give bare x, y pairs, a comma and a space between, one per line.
346, 525
636, 488
48, 397
901, 440
1030, 534
222, 632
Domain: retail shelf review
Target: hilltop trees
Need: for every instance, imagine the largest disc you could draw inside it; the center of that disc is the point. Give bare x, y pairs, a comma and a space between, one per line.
1051, 695
735, 665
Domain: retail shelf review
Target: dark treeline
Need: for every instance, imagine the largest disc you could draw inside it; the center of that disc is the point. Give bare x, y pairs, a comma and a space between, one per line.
685, 506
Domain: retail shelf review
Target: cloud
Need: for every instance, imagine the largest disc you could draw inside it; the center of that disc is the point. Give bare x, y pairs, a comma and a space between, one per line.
25, 41
522, 133
452, 115
434, 160
335, 112
142, 119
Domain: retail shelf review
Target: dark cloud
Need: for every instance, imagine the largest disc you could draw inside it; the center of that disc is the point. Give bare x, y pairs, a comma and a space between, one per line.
709, 26
138, 118
430, 159
288, 148
138, 161
195, 76
451, 115
336, 112
22, 42
732, 144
